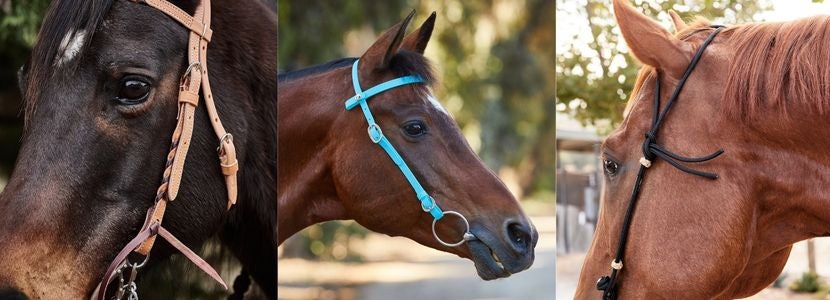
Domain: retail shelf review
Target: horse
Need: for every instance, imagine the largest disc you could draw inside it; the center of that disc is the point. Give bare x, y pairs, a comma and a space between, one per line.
330, 170
759, 93
100, 103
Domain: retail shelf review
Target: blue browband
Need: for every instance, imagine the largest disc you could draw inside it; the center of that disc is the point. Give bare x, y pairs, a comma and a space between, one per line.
376, 134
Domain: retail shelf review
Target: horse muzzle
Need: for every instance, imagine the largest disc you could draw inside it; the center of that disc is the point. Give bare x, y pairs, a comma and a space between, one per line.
504, 252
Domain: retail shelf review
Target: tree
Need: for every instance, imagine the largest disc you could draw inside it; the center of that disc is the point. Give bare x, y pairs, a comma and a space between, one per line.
594, 76
19, 23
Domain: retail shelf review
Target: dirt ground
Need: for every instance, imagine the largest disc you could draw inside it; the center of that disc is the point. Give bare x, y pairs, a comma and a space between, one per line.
400, 269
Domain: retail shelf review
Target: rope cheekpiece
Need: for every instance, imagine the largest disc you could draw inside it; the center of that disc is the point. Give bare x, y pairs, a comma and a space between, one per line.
652, 151
376, 135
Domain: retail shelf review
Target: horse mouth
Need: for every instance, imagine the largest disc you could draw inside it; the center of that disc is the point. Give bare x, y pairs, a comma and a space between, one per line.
487, 262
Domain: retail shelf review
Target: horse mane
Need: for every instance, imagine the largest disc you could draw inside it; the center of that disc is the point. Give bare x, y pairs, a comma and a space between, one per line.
775, 65
402, 64
316, 69
780, 65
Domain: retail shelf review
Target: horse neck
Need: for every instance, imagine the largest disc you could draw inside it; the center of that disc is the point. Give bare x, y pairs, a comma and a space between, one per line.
791, 165
249, 229
308, 108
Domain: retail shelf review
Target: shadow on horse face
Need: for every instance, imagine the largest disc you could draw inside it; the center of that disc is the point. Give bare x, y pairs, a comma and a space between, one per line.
101, 105
330, 169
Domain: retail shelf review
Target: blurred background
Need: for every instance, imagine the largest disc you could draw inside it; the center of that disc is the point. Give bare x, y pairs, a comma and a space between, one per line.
495, 61
19, 24
594, 75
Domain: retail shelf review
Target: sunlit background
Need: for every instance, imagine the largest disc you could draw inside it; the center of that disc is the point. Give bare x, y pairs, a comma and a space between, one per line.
495, 61
594, 74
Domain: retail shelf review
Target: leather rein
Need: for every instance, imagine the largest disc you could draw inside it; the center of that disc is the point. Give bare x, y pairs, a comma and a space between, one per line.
652, 151
194, 80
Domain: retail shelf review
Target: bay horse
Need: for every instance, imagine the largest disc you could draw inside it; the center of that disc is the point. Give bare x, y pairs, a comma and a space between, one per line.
329, 169
100, 92
760, 93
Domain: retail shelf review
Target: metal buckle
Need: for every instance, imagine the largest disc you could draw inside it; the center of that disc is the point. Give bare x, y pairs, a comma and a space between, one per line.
188, 72
468, 236
427, 209
226, 137
375, 138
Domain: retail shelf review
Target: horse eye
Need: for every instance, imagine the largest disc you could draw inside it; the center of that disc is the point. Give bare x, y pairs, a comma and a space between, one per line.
611, 167
133, 91
415, 128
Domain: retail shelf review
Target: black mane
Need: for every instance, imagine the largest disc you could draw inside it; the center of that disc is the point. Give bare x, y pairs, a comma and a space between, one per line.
338, 63
402, 64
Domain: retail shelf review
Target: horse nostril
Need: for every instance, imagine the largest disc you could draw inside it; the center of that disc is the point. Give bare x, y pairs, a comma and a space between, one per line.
11, 294
519, 236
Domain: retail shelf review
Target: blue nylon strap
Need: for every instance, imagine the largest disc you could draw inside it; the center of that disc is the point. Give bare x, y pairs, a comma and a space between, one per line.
377, 137
391, 84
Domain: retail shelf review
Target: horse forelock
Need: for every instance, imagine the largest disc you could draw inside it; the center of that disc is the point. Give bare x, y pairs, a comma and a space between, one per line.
66, 33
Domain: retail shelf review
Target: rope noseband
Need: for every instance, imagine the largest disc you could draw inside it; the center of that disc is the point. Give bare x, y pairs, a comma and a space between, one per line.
652, 151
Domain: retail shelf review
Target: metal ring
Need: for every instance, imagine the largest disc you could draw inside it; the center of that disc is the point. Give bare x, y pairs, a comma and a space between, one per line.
369, 130
427, 209
468, 236
128, 264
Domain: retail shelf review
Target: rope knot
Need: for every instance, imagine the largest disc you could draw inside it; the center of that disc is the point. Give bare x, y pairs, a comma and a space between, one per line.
648, 155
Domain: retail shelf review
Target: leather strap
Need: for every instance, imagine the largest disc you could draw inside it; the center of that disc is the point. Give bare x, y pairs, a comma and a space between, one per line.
101, 290
193, 257
196, 25
194, 80
376, 134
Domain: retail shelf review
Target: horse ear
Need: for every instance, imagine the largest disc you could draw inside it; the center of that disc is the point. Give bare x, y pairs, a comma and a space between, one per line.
679, 25
418, 39
385, 47
649, 42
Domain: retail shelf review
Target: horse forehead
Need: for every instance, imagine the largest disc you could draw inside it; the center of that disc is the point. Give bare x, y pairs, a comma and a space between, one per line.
70, 46
436, 104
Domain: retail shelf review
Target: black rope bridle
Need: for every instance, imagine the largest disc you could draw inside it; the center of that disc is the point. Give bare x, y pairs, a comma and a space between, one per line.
651, 151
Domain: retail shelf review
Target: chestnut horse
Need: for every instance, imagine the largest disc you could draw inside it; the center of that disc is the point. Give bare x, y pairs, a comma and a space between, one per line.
760, 93
329, 169
100, 92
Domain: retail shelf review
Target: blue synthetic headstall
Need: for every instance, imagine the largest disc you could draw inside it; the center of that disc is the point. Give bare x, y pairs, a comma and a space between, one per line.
376, 135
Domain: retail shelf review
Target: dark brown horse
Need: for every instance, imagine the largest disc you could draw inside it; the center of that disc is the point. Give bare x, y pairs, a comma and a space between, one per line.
330, 169
760, 92
100, 107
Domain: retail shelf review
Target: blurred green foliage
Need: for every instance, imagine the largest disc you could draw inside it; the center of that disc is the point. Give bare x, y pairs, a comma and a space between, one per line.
19, 23
327, 241
809, 282
594, 77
